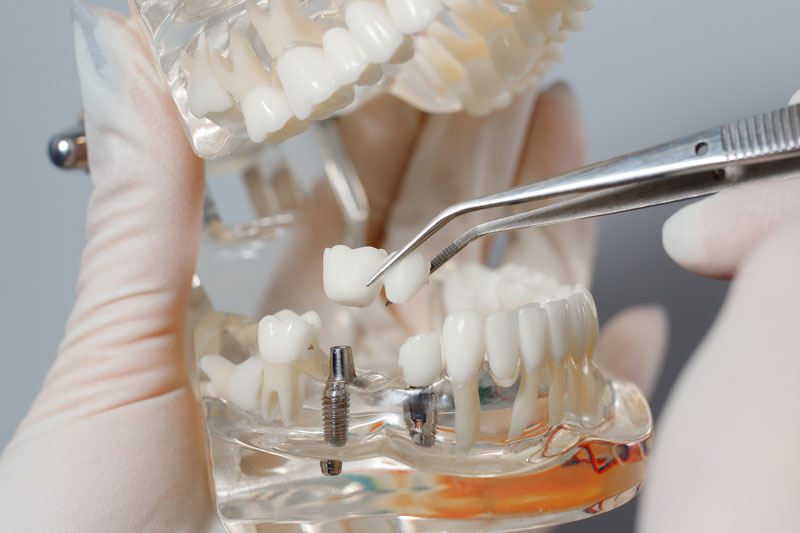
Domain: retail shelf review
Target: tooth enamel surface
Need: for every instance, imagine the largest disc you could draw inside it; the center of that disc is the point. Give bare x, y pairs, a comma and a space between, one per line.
284, 339
421, 359
502, 344
218, 369
406, 278
308, 82
204, 92
578, 326
545, 15
534, 336
372, 28
266, 111
412, 16
558, 321
463, 344
345, 273
593, 325
346, 60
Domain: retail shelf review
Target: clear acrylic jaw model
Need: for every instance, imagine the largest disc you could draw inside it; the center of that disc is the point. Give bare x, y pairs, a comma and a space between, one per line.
400, 465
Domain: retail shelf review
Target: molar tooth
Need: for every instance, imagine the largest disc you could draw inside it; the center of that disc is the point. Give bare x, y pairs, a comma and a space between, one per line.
412, 16
284, 339
372, 28
266, 111
204, 92
283, 24
502, 345
533, 342
309, 83
345, 273
245, 382
405, 279
347, 61
463, 345
421, 359
287, 383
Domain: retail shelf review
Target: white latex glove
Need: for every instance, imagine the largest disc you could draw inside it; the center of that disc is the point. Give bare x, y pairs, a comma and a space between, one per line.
114, 442
726, 451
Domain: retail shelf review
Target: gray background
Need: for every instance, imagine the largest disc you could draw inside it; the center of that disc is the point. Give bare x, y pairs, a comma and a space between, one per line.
644, 72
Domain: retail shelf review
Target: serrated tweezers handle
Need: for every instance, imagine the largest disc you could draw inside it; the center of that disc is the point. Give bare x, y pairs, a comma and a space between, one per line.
766, 134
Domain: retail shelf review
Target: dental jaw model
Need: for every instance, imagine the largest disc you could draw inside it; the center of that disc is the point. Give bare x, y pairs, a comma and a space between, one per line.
499, 397
263, 70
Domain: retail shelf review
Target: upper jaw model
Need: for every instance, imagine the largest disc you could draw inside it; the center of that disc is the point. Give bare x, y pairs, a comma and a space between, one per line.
262, 70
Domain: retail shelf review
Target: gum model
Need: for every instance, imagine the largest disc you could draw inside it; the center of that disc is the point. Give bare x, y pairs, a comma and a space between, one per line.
487, 412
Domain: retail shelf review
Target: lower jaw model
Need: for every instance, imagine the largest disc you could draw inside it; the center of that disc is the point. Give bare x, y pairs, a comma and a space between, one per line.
287, 63
495, 413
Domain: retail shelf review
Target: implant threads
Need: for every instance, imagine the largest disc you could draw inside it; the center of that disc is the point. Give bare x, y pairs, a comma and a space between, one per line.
335, 412
336, 405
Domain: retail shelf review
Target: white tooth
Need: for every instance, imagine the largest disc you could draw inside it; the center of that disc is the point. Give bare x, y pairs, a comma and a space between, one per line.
545, 15
578, 325
347, 61
468, 413
309, 83
287, 383
373, 30
593, 326
412, 16
524, 404
345, 273
502, 344
534, 336
463, 344
526, 28
283, 24
283, 340
406, 278
421, 359
558, 322
203, 91
218, 369
245, 383
312, 317
265, 110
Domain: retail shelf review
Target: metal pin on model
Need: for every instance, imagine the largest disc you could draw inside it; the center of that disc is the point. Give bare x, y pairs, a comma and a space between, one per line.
336, 405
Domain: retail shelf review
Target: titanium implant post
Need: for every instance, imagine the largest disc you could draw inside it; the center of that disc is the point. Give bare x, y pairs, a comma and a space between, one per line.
336, 405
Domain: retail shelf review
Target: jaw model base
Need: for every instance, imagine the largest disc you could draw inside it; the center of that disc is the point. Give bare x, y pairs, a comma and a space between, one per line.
267, 473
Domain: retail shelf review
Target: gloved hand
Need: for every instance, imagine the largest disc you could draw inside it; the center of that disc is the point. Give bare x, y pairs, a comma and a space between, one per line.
726, 454
114, 441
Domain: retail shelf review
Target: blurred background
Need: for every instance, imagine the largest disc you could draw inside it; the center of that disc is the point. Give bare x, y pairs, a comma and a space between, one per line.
644, 72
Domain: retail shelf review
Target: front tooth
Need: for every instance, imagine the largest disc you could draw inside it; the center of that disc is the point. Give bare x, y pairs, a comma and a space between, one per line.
502, 344
284, 340
345, 273
203, 91
309, 83
533, 342
347, 61
373, 30
412, 16
593, 326
463, 344
558, 322
406, 278
578, 325
421, 359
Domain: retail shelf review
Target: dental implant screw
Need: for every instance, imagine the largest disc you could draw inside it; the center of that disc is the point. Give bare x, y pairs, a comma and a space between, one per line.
422, 414
336, 405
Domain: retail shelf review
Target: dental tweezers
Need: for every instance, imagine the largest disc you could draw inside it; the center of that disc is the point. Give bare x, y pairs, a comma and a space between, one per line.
764, 146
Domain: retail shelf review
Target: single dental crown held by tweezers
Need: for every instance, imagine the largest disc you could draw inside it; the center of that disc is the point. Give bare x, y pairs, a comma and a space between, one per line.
765, 146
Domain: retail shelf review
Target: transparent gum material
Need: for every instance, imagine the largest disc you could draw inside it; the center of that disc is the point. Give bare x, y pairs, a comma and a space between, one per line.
174, 26
268, 477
